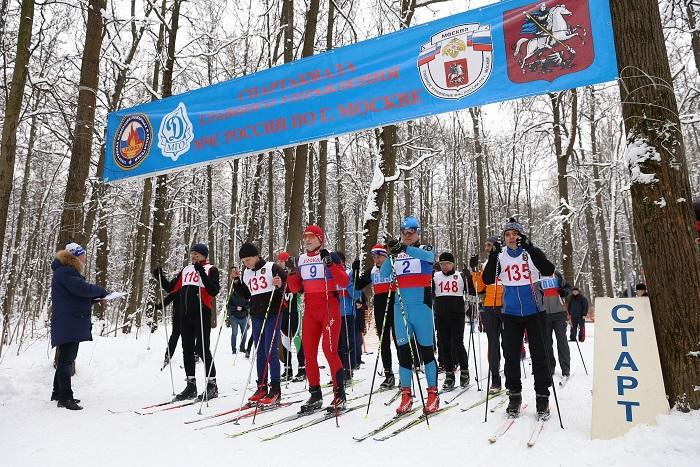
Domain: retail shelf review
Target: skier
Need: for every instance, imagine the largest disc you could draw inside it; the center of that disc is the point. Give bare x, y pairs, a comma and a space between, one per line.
262, 283
383, 304
519, 266
346, 344
196, 286
319, 273
578, 309
449, 287
238, 309
412, 266
290, 326
492, 303
550, 291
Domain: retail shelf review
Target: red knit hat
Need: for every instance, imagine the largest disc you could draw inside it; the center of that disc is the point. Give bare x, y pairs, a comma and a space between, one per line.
379, 249
316, 230
282, 256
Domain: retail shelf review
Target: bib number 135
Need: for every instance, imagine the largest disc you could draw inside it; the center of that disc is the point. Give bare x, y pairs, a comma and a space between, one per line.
517, 271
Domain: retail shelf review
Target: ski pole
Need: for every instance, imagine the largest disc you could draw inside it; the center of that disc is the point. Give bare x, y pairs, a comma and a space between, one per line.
405, 324
488, 386
216, 345
379, 352
165, 328
204, 355
272, 342
252, 360
471, 334
544, 344
581, 354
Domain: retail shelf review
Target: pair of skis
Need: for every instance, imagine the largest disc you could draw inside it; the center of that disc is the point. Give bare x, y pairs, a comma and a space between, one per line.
535, 431
162, 406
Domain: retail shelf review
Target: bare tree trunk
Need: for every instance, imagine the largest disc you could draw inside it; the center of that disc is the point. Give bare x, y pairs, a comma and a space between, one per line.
210, 216
294, 228
480, 188
159, 234
694, 31
287, 18
407, 194
563, 156
13, 107
340, 226
253, 224
310, 190
270, 207
663, 218
71, 227
233, 222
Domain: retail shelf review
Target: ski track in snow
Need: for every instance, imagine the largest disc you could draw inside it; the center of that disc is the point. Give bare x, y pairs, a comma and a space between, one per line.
124, 375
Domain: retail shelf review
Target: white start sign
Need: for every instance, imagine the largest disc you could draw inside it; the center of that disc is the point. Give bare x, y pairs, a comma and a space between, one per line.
628, 388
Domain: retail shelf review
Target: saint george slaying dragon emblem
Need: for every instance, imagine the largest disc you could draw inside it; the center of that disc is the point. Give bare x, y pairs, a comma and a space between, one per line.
548, 40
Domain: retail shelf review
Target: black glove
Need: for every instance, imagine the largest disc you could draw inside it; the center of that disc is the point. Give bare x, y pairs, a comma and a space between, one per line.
474, 262
157, 272
158, 306
291, 264
524, 242
356, 265
496, 248
228, 322
395, 246
326, 257
199, 268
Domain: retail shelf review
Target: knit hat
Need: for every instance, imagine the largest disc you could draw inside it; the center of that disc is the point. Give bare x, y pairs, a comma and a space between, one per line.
492, 239
512, 224
200, 248
446, 256
247, 250
378, 249
640, 287
282, 256
75, 249
316, 230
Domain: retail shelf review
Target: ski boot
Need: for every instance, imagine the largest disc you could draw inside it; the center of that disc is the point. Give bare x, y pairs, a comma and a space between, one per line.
347, 374
449, 383
389, 381
513, 409
339, 402
260, 393
211, 392
288, 374
300, 376
273, 395
69, 404
542, 406
314, 402
55, 398
433, 403
495, 387
406, 401
190, 391
464, 378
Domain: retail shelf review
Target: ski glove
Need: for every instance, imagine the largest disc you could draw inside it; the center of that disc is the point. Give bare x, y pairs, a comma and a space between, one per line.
326, 257
474, 262
395, 246
524, 242
199, 268
496, 248
291, 264
356, 265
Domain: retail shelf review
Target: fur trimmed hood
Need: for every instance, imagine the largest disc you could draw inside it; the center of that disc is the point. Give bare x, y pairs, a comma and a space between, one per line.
65, 258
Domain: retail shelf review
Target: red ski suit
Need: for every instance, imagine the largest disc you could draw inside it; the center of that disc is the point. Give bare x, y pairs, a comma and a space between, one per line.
321, 311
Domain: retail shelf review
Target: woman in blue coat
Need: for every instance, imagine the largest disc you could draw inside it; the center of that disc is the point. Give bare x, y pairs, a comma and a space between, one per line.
72, 298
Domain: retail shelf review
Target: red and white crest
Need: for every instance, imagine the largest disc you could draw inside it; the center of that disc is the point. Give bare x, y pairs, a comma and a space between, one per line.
548, 39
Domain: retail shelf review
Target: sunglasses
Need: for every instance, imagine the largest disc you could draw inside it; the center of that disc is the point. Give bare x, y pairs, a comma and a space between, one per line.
409, 231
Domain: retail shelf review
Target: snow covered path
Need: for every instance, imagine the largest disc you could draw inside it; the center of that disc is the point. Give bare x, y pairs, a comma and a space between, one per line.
123, 374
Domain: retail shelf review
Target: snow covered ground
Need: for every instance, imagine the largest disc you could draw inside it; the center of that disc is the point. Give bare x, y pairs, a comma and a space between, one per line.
121, 373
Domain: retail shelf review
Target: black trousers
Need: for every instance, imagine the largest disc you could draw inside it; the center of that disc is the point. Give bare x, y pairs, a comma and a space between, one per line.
493, 325
346, 343
450, 331
67, 354
191, 330
514, 328
174, 333
388, 337
556, 323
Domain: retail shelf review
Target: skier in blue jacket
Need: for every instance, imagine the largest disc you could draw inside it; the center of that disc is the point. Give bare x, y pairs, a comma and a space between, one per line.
411, 264
518, 267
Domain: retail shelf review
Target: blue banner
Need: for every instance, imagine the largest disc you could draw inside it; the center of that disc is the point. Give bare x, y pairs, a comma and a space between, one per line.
504, 51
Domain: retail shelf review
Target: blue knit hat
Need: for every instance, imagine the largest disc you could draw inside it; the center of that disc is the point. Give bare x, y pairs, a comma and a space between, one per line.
200, 248
75, 249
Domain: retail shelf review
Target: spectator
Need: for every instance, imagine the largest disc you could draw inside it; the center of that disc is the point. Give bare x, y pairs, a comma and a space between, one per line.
578, 310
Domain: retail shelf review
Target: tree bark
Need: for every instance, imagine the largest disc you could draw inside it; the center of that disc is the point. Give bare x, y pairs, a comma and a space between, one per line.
296, 209
270, 206
480, 188
253, 224
233, 221
663, 218
692, 15
340, 226
13, 107
71, 226
287, 18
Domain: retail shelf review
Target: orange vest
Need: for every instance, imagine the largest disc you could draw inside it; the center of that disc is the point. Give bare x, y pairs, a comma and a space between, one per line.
494, 292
